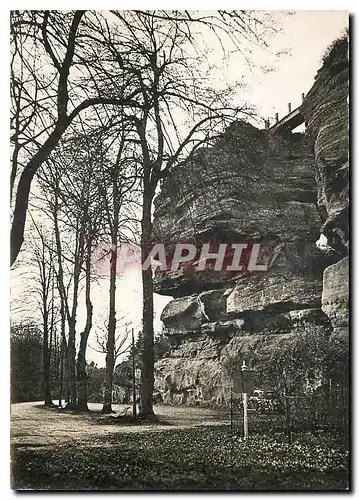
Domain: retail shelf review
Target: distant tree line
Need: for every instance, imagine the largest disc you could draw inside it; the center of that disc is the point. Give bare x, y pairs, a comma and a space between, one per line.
27, 373
27, 369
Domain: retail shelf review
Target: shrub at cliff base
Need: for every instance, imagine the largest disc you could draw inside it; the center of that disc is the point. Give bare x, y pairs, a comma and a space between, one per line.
311, 369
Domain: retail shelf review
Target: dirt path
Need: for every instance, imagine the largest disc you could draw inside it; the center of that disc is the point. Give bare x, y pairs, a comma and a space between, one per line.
32, 425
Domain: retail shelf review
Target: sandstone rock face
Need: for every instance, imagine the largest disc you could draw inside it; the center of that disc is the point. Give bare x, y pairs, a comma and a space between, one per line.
248, 184
182, 315
272, 292
250, 187
326, 110
255, 187
195, 372
335, 300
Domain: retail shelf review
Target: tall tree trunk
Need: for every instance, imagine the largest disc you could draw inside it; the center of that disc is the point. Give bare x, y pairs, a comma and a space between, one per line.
71, 374
46, 363
71, 351
71, 366
134, 405
52, 348
81, 357
147, 372
111, 337
63, 346
64, 350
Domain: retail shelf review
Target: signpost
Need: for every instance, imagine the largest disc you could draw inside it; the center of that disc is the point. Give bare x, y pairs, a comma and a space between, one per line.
245, 401
243, 382
134, 409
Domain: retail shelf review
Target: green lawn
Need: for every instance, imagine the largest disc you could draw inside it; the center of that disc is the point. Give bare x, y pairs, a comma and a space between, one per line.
201, 458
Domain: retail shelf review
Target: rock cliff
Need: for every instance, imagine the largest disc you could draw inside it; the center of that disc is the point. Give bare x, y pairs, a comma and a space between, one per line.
281, 192
326, 111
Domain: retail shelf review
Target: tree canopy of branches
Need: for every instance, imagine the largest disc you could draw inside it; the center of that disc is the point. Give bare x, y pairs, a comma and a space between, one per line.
62, 62
52, 63
143, 77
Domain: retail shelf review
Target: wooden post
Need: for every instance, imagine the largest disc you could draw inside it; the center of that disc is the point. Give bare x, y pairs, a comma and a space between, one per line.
245, 404
287, 408
289, 107
134, 408
276, 117
245, 415
287, 417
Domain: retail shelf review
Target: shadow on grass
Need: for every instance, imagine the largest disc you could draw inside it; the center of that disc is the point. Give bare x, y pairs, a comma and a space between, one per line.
203, 458
130, 420
97, 417
197, 457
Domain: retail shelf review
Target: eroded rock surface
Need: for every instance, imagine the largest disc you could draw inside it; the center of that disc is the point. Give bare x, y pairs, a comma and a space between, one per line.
326, 111
250, 187
284, 292
281, 192
195, 372
335, 300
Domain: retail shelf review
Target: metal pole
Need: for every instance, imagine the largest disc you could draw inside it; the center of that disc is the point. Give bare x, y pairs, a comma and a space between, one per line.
134, 408
245, 403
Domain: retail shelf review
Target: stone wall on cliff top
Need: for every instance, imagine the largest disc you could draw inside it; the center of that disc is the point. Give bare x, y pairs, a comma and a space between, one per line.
250, 187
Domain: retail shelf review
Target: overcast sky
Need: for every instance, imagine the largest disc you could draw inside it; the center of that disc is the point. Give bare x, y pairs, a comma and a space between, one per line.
306, 34
302, 42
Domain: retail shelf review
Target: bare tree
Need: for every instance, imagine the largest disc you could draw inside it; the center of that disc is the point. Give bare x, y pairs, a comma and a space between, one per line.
178, 111
117, 187
151, 65
112, 180
51, 84
44, 278
81, 356
117, 347
67, 199
121, 338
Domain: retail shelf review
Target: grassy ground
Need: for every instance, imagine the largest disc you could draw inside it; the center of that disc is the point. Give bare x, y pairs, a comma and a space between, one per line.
192, 449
